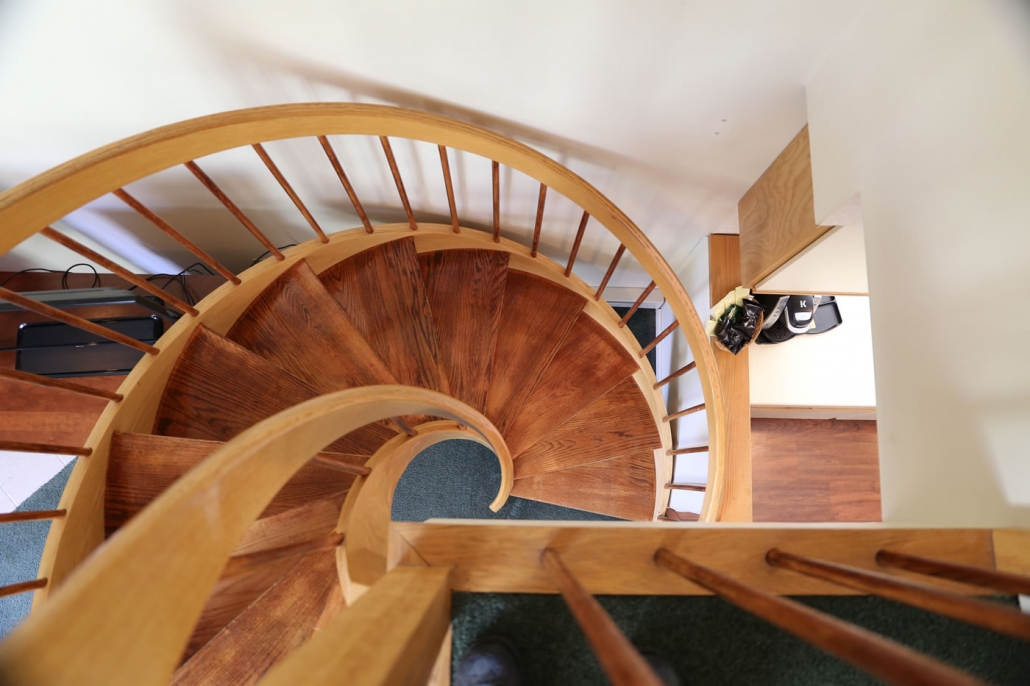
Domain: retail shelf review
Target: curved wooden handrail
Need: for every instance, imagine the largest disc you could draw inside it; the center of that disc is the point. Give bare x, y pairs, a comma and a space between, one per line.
126, 615
28, 207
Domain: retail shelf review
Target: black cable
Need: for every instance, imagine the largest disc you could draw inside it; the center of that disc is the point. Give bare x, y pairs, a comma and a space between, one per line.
23, 271
96, 275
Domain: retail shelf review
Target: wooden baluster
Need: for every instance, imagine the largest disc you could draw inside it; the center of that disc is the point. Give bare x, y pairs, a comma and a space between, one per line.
650, 346
883, 658
684, 413
611, 270
338, 168
397, 180
167, 228
450, 189
231, 206
636, 305
672, 515
403, 425
621, 661
31, 516
496, 169
260, 150
61, 384
575, 244
1006, 582
244, 564
121, 271
697, 488
341, 466
539, 219
676, 374
688, 451
22, 587
71, 320
47, 448
980, 612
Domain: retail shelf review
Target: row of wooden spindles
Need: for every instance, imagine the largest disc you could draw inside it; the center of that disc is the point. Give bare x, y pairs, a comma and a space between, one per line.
30, 516
879, 656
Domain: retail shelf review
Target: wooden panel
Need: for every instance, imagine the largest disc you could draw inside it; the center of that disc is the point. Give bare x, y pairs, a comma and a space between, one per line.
381, 291
411, 610
777, 214
466, 291
589, 364
523, 351
218, 389
620, 487
617, 423
724, 276
618, 557
1012, 551
143, 466
268, 630
813, 470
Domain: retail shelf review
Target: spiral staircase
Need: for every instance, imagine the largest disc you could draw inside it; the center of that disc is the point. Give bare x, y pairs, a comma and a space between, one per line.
229, 519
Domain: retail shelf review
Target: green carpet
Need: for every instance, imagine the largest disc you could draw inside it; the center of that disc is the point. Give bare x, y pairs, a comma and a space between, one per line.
21, 547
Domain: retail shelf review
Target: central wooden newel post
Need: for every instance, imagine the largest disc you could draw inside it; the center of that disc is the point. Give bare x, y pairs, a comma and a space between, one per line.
621, 661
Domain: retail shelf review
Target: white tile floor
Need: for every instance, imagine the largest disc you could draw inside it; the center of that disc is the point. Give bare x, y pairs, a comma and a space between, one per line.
21, 474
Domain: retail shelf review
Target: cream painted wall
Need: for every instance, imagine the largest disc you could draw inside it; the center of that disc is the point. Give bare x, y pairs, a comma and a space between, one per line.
834, 264
923, 109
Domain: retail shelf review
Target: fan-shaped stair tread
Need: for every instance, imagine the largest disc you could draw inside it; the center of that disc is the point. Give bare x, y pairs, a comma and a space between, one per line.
465, 289
620, 487
218, 389
233, 595
382, 292
142, 466
276, 624
618, 423
535, 319
589, 364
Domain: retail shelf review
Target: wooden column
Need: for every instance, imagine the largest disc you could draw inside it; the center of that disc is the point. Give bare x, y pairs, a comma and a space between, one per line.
724, 276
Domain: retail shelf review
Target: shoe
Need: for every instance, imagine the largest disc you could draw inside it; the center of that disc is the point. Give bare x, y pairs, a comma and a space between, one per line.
492, 661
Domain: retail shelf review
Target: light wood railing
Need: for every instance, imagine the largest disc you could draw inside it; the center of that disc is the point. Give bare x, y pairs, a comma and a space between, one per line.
126, 615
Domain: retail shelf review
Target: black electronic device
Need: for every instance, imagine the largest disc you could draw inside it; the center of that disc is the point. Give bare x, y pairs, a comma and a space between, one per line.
58, 350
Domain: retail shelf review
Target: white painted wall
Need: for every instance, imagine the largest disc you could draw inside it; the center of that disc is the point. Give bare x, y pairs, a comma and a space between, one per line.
923, 109
831, 369
834, 264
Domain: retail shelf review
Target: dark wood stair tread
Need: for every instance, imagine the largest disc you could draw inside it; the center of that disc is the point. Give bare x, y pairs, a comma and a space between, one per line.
465, 289
276, 624
535, 319
589, 363
617, 423
621, 487
142, 466
382, 292
219, 388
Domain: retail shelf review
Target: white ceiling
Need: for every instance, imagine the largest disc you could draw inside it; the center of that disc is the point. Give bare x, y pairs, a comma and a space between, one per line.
673, 109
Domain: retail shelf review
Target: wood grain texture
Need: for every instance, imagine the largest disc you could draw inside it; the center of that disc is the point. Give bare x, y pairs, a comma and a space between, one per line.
589, 363
411, 609
814, 470
622, 662
382, 292
617, 423
142, 466
465, 289
271, 628
22, 587
1012, 551
618, 557
59, 384
777, 214
523, 352
218, 389
1005, 582
30, 516
737, 502
302, 523
621, 486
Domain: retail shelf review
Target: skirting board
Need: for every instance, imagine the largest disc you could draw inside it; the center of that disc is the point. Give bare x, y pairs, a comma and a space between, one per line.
792, 412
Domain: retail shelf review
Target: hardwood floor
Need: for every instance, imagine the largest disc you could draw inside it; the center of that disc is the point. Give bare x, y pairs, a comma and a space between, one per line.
807, 470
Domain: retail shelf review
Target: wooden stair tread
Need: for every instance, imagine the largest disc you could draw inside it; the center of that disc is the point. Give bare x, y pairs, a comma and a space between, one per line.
271, 628
589, 363
535, 319
618, 423
218, 389
306, 522
142, 466
620, 487
382, 293
465, 289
